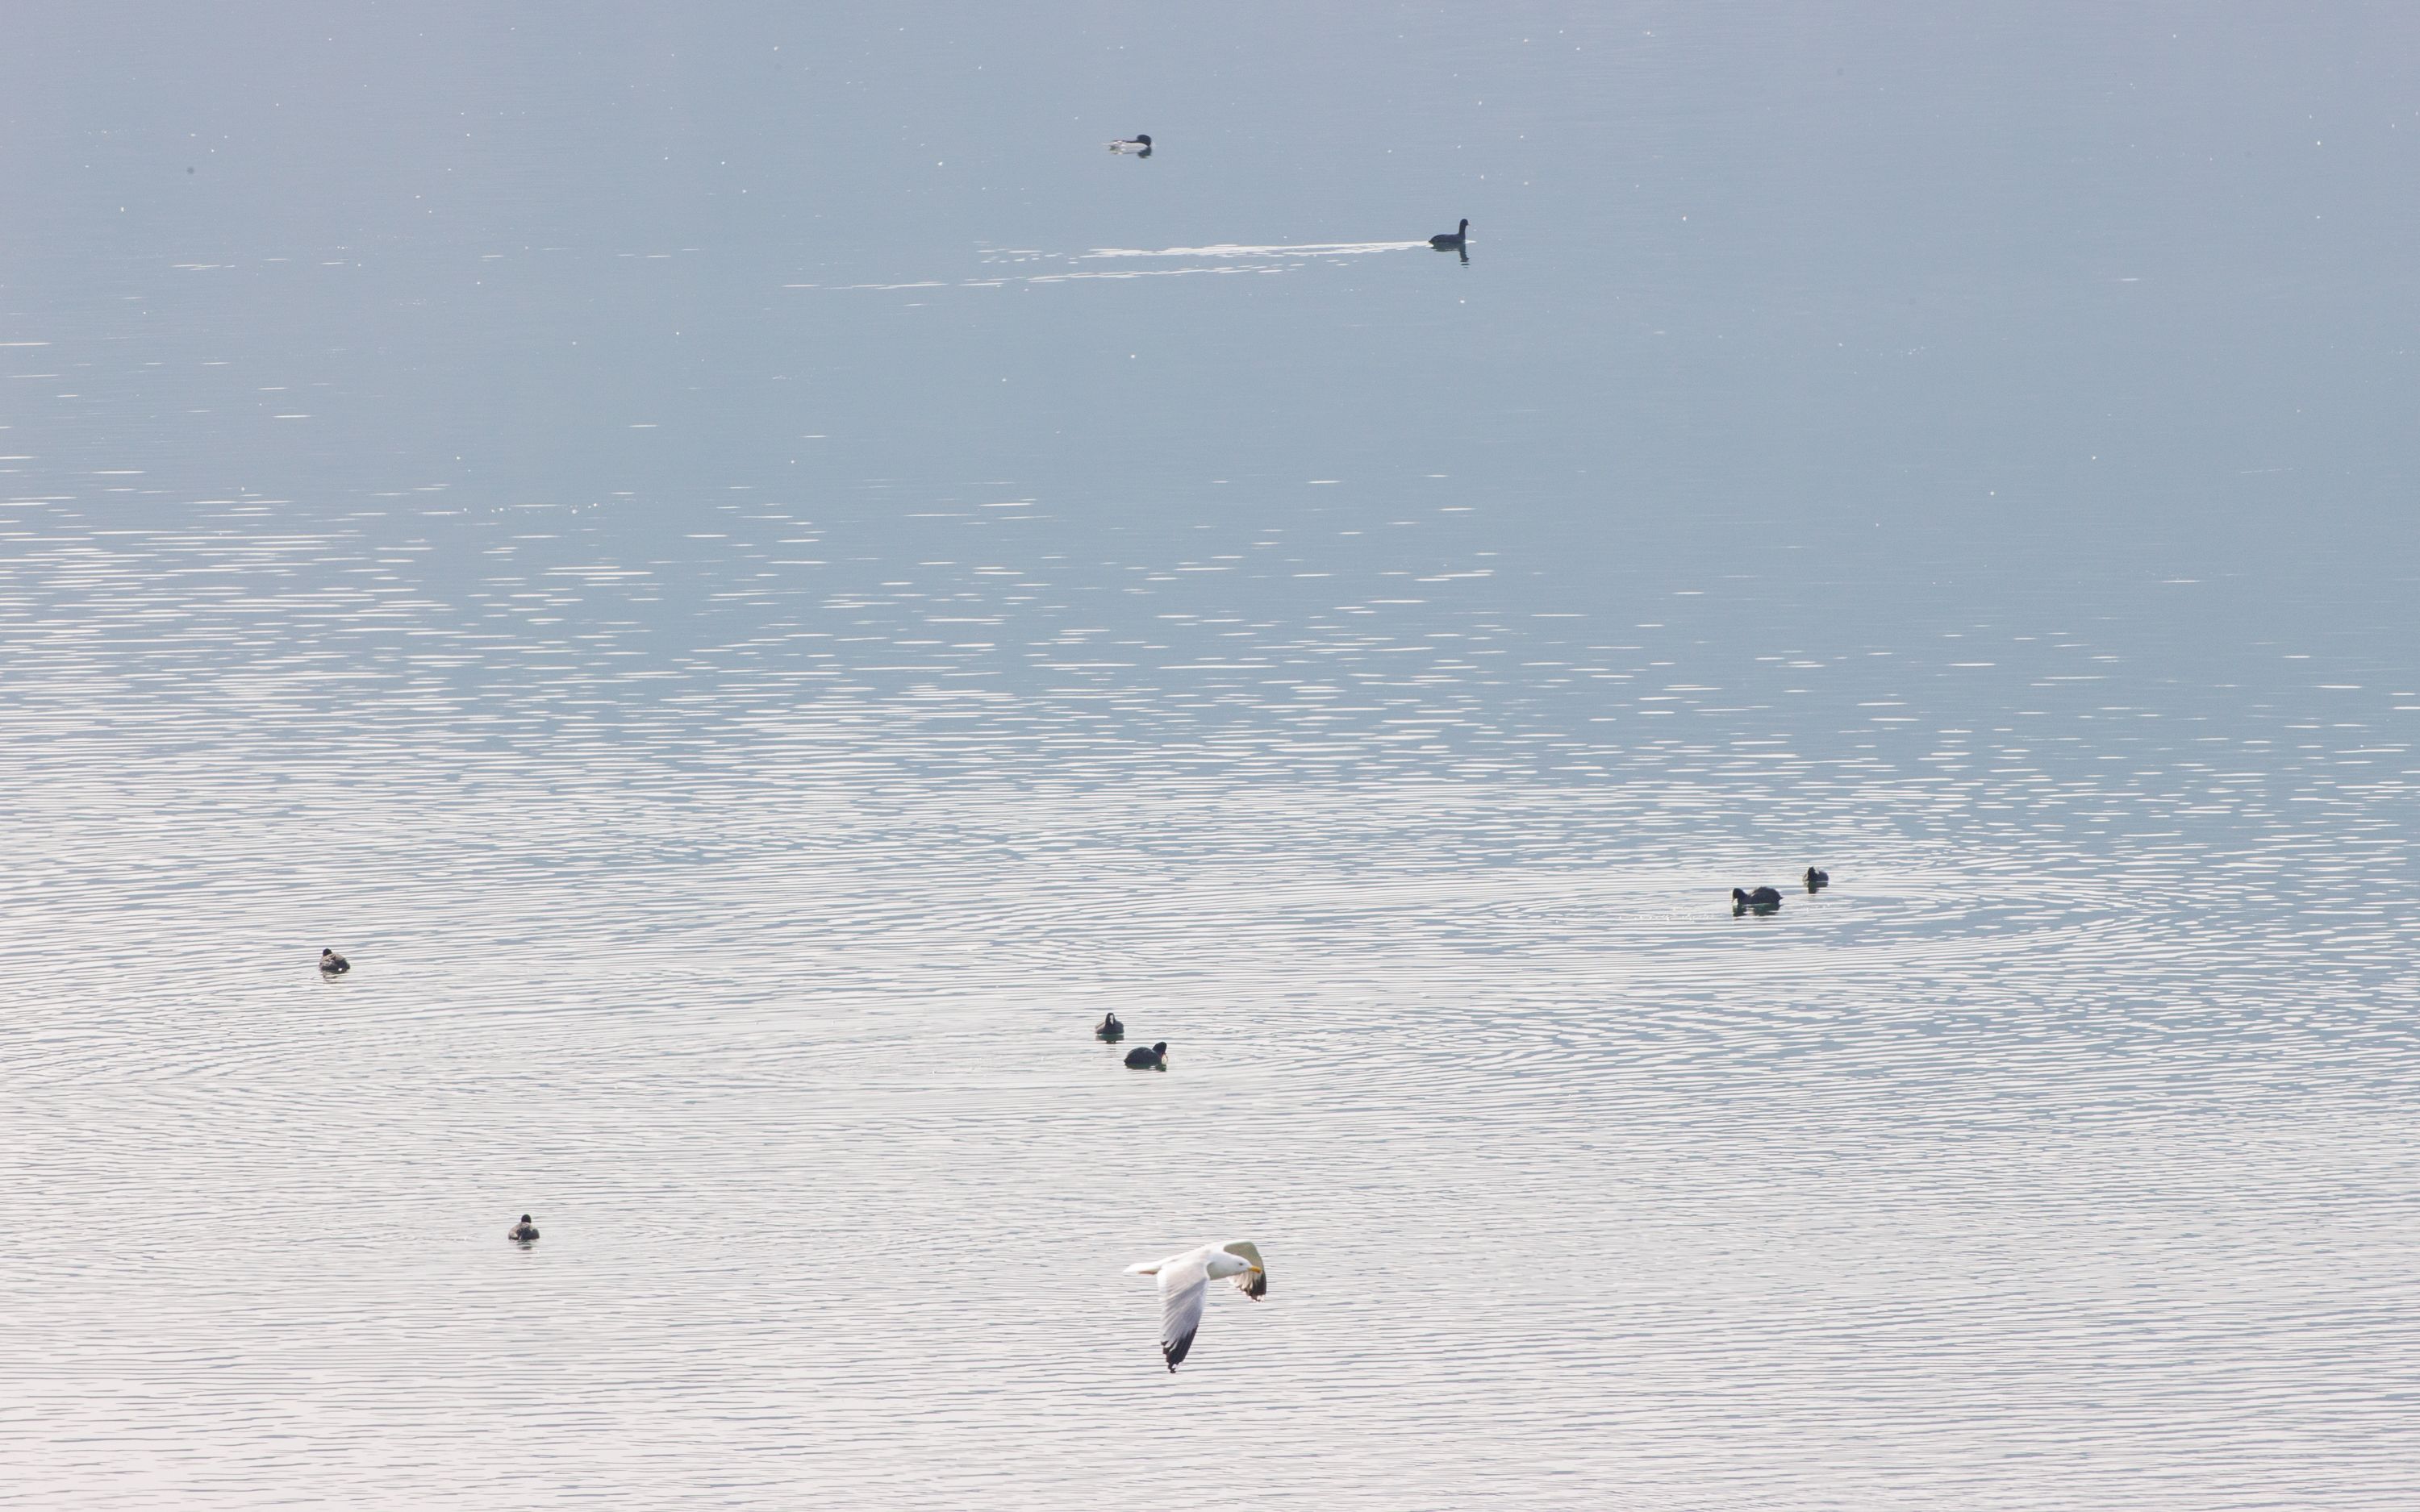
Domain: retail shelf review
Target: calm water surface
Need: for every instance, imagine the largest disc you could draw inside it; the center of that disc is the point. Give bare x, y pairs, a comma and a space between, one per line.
756, 581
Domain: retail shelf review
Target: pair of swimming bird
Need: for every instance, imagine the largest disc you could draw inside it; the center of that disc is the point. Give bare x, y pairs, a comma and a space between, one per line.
1768, 899
1155, 1058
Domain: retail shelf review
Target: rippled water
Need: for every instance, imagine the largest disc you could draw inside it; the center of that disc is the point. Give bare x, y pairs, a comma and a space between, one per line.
742, 781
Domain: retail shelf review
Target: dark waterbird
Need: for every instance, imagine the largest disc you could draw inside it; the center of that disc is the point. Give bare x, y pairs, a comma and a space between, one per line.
332, 964
1109, 1029
1155, 1058
1450, 241
523, 1232
1817, 881
1762, 901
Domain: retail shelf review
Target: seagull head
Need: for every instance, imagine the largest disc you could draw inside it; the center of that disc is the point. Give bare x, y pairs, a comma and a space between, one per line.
1251, 1277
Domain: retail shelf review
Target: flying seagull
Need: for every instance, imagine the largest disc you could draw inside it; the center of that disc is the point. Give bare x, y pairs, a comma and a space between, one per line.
1184, 1282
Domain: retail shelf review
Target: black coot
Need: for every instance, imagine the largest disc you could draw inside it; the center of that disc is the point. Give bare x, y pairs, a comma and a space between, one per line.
1762, 901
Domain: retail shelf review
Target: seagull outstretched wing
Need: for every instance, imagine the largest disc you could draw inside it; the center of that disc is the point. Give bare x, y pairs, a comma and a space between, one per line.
1180, 1311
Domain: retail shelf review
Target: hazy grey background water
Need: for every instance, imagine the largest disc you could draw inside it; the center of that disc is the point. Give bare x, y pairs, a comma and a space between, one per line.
755, 580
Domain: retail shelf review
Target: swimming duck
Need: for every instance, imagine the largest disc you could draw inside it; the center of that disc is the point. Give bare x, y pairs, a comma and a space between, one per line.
1762, 901
1137, 145
523, 1232
332, 964
1109, 1029
1450, 240
1155, 1058
1817, 881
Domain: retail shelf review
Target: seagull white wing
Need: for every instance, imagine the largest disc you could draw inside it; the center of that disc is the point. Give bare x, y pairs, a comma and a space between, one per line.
1183, 1289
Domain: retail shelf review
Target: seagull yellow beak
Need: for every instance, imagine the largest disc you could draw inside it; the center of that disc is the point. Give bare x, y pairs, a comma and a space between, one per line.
1253, 1280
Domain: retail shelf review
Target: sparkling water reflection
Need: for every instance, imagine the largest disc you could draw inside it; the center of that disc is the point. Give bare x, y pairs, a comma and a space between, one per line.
748, 695
2061, 1126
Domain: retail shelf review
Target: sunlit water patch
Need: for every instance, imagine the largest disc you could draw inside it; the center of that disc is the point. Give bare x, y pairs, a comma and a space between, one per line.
757, 587
2025, 1163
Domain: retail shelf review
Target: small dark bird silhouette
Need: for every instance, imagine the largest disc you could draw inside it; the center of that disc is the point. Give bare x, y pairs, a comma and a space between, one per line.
1450, 241
523, 1232
1762, 901
1155, 1058
1109, 1029
1817, 881
332, 964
